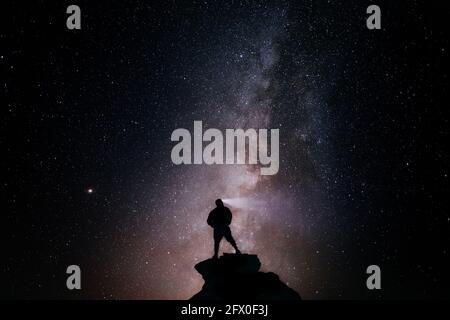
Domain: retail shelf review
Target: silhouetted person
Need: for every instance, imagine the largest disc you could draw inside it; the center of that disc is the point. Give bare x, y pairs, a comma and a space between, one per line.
219, 219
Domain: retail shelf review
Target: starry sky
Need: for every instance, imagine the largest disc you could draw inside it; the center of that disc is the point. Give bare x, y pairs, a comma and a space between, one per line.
86, 129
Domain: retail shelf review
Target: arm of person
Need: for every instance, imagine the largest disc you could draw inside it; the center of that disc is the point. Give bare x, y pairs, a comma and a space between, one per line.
229, 216
210, 219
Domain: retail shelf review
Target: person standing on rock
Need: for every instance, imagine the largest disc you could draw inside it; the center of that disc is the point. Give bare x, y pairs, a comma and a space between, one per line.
219, 219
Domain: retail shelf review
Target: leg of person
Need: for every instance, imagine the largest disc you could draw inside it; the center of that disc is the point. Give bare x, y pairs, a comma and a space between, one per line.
217, 237
230, 239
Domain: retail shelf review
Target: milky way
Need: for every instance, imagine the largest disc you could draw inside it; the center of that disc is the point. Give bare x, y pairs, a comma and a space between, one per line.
363, 173
239, 88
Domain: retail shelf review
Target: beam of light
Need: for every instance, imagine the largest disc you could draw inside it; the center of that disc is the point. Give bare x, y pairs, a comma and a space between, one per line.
243, 202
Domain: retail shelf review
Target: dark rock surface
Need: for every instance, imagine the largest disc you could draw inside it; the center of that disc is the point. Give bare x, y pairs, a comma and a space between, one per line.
236, 277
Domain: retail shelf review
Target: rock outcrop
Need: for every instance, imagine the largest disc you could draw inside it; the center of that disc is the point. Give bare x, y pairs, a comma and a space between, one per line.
237, 277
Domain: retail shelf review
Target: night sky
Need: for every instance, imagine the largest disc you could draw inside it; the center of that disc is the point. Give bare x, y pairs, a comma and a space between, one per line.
87, 117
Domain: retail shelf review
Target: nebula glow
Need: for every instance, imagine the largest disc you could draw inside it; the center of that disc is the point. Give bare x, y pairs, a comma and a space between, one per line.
276, 217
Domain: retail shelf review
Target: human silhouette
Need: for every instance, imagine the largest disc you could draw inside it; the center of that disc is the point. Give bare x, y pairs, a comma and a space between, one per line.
219, 219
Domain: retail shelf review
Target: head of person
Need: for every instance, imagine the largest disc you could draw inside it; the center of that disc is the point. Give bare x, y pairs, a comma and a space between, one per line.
219, 203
